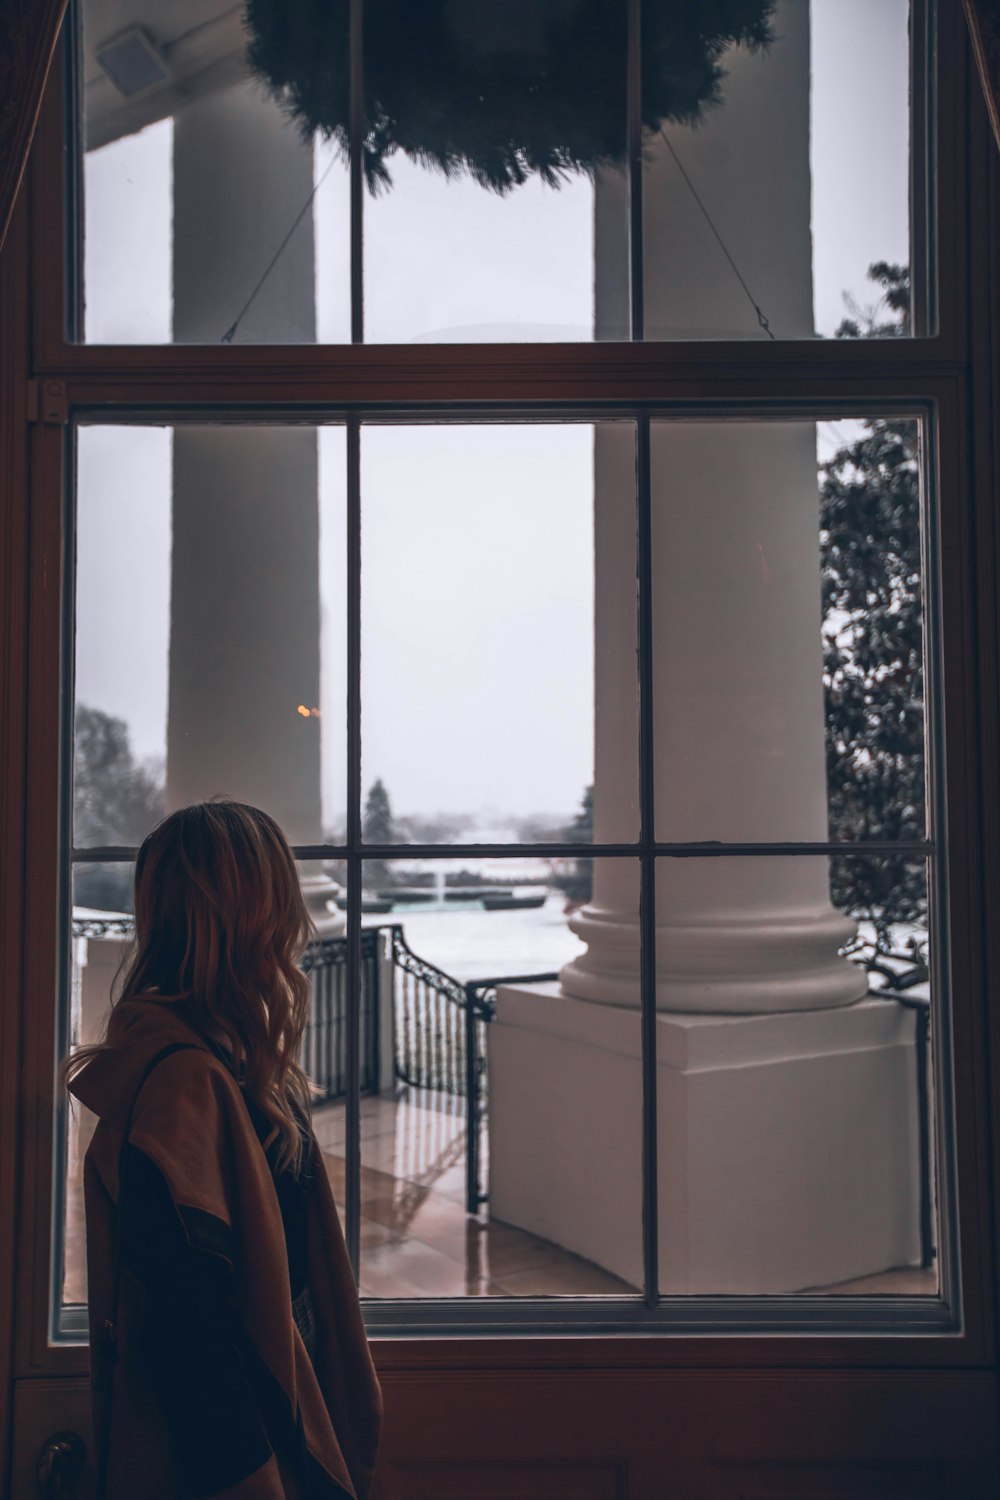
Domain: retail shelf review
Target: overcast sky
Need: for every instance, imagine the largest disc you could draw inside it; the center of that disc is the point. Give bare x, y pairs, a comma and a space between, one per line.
478, 550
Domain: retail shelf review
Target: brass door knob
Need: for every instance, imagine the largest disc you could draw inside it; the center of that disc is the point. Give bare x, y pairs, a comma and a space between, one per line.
59, 1465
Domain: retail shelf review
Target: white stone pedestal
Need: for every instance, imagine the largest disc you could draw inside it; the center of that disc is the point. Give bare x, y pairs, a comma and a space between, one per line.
97, 961
786, 1141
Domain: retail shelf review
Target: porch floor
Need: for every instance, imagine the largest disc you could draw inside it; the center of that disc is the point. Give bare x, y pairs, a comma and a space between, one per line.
418, 1241
416, 1238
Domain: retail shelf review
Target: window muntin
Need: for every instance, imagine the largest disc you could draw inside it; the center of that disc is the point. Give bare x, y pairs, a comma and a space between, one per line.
755, 222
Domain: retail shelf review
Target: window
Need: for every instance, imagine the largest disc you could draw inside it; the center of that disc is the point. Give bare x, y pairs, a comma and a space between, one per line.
599, 689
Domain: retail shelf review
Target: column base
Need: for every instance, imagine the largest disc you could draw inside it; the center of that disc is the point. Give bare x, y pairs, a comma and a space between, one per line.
320, 892
787, 1142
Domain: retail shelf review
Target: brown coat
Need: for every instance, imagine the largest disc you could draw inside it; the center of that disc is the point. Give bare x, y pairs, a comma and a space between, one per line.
191, 1122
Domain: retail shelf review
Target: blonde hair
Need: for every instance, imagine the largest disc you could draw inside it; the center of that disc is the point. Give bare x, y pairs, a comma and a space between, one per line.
220, 924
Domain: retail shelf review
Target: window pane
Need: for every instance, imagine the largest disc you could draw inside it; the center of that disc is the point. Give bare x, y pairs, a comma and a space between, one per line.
200, 219
493, 559
210, 626
487, 125
559, 1146
794, 1077
789, 635
216, 191
768, 206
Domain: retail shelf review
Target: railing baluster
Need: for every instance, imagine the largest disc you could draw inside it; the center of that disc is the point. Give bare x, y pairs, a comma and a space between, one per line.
316, 982
439, 1040
335, 1023
325, 976
363, 1008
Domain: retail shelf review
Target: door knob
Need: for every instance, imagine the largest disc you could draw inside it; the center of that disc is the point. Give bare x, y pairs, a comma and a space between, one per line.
59, 1465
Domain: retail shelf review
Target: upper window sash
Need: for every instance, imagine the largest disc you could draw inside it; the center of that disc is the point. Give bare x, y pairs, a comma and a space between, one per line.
545, 362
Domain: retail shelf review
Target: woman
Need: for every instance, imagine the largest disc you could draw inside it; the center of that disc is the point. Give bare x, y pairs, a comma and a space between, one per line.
228, 1354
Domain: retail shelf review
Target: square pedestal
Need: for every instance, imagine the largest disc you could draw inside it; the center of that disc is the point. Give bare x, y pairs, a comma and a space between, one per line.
787, 1143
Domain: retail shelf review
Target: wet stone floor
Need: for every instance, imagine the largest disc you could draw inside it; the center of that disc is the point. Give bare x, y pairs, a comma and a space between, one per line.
416, 1238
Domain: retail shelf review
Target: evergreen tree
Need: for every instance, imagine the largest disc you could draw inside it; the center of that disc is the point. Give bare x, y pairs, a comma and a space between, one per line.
872, 648
501, 92
378, 827
577, 883
116, 800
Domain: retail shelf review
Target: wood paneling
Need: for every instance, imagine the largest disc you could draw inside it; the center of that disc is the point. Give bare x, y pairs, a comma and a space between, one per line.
502, 1480
693, 1435
536, 1435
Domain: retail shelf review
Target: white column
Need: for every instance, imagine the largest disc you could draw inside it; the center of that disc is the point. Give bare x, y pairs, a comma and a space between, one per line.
738, 725
786, 1101
245, 617
97, 962
748, 162
738, 698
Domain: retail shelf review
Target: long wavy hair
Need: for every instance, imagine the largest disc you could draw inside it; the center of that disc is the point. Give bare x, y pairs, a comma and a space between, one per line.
220, 925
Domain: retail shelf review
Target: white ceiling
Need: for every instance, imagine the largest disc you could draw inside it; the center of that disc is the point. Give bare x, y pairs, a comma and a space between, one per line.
202, 43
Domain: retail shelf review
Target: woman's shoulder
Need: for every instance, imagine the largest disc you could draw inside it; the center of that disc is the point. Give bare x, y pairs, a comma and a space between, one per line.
185, 1079
190, 1122
152, 1049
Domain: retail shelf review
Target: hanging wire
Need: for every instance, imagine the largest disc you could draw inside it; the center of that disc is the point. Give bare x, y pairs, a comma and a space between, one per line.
227, 337
761, 318
230, 333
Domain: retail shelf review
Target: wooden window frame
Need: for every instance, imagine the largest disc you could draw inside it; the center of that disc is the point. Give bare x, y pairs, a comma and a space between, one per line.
951, 372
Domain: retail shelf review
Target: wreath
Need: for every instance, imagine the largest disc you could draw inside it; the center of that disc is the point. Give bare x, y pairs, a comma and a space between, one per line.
500, 89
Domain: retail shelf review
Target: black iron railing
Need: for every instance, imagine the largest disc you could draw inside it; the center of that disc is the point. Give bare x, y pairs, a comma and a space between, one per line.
896, 976
111, 926
439, 1027
921, 1008
480, 1008
324, 1042
428, 1019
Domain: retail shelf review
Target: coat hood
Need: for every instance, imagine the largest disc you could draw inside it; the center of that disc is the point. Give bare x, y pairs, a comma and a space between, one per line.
108, 1083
